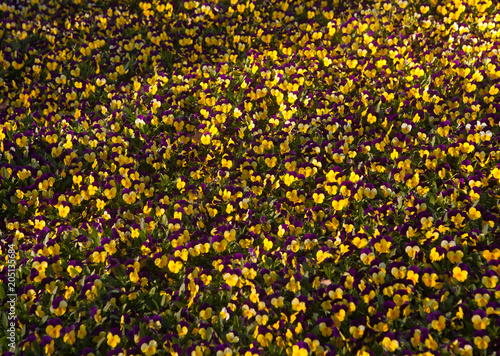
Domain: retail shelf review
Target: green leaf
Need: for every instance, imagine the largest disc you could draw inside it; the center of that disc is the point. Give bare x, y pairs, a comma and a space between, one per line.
400, 201
4, 342
380, 299
100, 342
210, 332
178, 315
2, 292
73, 270
5, 322
54, 292
268, 261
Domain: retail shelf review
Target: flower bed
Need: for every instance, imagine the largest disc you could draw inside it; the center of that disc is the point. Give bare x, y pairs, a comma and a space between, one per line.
250, 177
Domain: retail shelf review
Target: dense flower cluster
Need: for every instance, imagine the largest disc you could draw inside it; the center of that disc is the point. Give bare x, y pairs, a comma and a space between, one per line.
251, 177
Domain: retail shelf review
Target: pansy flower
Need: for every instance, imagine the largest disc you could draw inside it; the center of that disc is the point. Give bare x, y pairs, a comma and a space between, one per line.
481, 339
197, 127
390, 343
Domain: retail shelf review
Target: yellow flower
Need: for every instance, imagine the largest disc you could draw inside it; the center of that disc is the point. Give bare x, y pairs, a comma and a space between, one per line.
264, 340
53, 331
459, 274
378, 277
389, 344
113, 340
70, 337
490, 282
82, 332
110, 247
289, 179
383, 246
439, 324
100, 204
231, 279
474, 213
149, 349
39, 224
297, 351
206, 314
399, 273
435, 255
232, 338
49, 348
357, 331
226, 163
457, 220
431, 343
321, 256
205, 139
340, 204
226, 352
393, 313
268, 244
412, 276
298, 305
325, 330
63, 211
480, 323
61, 309
430, 279
455, 256
130, 198
482, 342
415, 340
174, 266
293, 285
481, 299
